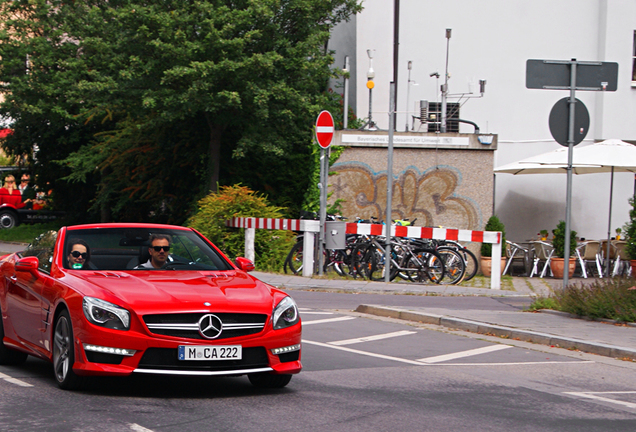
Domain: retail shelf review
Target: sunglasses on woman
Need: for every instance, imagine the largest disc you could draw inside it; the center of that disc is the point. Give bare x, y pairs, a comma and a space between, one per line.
159, 248
77, 254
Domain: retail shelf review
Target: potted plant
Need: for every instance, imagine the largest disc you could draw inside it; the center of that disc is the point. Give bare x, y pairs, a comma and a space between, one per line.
630, 235
493, 224
543, 234
618, 233
557, 263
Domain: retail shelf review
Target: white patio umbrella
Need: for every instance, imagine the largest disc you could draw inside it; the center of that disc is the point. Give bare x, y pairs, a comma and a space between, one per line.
606, 156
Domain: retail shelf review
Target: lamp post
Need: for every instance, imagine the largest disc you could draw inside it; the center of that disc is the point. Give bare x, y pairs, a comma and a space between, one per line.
445, 85
408, 88
370, 85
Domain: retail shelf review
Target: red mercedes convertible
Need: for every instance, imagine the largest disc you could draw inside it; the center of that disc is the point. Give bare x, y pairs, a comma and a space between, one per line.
117, 299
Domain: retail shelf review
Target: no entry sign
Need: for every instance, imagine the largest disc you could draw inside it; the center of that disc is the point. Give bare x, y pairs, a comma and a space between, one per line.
324, 129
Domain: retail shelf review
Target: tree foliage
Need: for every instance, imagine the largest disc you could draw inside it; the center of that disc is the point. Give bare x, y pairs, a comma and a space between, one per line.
149, 105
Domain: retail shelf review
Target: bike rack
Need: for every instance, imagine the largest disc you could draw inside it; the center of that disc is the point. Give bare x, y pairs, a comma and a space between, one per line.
311, 227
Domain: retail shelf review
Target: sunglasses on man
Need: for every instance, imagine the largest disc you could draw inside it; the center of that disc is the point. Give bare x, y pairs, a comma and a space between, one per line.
77, 254
159, 248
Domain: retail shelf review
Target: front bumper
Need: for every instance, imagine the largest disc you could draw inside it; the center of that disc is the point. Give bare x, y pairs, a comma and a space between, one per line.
158, 355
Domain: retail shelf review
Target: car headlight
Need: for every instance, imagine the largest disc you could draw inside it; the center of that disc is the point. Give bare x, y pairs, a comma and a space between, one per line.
105, 314
285, 314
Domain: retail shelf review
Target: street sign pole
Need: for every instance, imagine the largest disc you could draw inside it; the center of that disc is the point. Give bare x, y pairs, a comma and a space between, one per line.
324, 136
568, 204
389, 187
323, 208
570, 75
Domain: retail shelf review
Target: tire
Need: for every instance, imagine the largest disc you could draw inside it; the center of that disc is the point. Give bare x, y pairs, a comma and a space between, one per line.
7, 355
472, 265
267, 380
64, 354
8, 219
431, 266
294, 260
454, 265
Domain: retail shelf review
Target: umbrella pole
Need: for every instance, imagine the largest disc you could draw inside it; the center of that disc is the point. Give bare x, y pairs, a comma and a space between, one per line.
609, 227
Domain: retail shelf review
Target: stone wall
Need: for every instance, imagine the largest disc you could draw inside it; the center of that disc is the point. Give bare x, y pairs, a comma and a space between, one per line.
450, 187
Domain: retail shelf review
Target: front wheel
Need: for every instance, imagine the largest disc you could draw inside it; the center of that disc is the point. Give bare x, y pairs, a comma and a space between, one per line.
8, 219
64, 354
267, 380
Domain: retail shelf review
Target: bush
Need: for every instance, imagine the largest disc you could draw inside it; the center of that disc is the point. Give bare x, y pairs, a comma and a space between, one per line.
271, 247
494, 224
559, 240
605, 298
630, 231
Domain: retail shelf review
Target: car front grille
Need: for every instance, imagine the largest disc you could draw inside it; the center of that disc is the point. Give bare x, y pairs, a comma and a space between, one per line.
166, 359
186, 326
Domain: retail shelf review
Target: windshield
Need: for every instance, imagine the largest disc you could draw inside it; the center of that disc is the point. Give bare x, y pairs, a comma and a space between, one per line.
130, 249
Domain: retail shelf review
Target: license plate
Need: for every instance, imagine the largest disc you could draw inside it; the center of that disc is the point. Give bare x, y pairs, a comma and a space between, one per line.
211, 352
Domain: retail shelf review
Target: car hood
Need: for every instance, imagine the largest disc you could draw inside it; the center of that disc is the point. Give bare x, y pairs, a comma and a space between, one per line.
181, 291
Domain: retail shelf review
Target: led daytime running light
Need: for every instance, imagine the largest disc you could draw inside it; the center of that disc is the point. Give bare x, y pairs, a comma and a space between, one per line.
286, 349
109, 350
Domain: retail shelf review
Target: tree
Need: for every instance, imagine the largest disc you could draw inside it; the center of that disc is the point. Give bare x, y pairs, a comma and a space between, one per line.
165, 91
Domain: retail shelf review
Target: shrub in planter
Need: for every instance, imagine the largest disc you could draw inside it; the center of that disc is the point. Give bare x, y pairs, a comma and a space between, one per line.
493, 224
630, 231
557, 263
558, 242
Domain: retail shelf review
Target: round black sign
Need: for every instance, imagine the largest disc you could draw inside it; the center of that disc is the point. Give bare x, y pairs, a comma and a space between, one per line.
559, 121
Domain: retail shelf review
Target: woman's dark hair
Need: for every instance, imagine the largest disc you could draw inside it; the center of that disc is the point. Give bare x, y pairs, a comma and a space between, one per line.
73, 242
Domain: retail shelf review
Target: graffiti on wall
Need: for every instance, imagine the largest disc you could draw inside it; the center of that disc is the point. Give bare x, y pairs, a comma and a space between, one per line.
429, 196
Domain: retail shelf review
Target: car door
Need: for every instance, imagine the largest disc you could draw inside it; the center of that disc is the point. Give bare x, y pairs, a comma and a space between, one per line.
25, 305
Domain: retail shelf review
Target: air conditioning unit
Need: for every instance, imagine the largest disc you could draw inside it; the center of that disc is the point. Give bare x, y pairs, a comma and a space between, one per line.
431, 115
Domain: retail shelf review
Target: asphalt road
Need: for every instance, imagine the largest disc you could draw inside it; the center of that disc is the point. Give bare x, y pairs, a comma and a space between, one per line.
360, 373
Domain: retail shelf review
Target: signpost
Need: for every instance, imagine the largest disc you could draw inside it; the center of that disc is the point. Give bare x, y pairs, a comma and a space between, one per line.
570, 75
324, 136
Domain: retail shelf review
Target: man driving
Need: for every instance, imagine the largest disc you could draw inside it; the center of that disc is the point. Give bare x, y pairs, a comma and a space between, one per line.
158, 250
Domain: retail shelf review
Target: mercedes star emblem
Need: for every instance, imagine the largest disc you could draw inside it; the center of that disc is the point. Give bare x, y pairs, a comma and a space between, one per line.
210, 326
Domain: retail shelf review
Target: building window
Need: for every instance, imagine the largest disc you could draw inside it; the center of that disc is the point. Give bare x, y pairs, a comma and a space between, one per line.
634, 61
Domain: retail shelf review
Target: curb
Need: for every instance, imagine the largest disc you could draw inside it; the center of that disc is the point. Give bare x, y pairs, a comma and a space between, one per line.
501, 331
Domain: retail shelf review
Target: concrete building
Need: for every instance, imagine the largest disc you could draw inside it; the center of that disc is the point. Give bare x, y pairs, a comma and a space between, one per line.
492, 40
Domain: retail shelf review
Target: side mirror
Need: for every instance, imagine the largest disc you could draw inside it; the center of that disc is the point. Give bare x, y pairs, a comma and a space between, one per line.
27, 264
244, 264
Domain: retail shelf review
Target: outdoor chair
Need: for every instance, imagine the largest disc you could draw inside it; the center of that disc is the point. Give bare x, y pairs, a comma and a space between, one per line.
621, 262
515, 252
588, 253
542, 255
603, 257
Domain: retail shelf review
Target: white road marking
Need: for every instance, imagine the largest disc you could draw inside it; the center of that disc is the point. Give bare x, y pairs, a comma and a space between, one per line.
137, 428
355, 351
511, 363
372, 338
594, 395
14, 380
462, 354
420, 363
328, 320
315, 313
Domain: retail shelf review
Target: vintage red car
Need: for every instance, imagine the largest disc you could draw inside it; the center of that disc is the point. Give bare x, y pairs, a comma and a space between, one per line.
199, 313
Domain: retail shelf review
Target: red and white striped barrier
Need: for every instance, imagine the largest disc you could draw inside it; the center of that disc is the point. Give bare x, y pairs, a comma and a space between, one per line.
370, 229
265, 223
311, 227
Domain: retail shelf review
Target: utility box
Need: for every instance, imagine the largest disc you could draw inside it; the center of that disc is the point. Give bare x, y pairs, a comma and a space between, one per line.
335, 235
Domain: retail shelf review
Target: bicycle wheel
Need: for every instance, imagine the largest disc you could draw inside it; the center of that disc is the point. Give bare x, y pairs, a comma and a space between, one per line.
294, 260
358, 259
472, 265
374, 263
430, 264
454, 265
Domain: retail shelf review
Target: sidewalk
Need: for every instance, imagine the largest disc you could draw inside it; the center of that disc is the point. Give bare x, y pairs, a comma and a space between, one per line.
547, 327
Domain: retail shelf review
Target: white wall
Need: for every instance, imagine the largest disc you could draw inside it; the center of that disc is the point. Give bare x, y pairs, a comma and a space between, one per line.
492, 39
